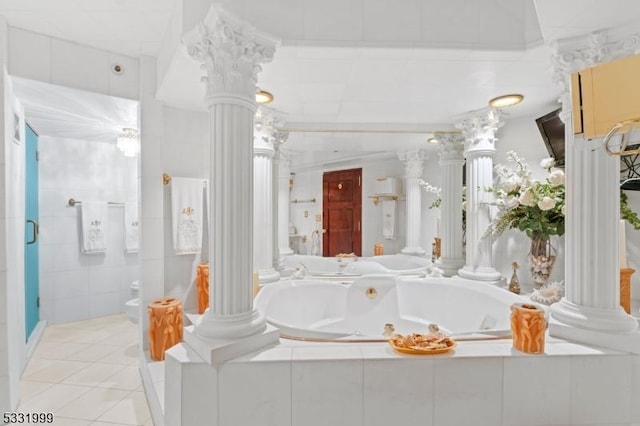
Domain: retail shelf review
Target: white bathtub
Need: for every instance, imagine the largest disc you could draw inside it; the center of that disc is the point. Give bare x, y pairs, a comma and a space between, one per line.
394, 264
321, 309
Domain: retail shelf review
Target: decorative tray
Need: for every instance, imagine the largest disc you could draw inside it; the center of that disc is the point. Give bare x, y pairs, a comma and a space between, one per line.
422, 344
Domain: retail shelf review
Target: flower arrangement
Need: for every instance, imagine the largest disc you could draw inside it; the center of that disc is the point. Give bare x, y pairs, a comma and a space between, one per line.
535, 207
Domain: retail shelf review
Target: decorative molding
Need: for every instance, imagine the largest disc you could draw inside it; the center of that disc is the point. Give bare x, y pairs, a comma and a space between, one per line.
413, 161
230, 51
479, 129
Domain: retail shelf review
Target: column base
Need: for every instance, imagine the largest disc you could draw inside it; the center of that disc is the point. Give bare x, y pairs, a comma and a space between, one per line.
413, 251
486, 274
595, 319
449, 267
619, 341
213, 326
216, 351
268, 276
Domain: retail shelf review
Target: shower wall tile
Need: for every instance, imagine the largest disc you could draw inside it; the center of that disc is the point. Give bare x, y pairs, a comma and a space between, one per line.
592, 378
468, 391
79, 67
548, 382
37, 64
409, 381
124, 85
66, 230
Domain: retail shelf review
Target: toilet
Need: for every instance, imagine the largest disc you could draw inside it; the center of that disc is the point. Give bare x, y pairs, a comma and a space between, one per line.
132, 307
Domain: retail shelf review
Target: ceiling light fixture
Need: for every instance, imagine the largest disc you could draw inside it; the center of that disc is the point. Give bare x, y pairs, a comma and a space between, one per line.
505, 101
432, 140
127, 142
263, 97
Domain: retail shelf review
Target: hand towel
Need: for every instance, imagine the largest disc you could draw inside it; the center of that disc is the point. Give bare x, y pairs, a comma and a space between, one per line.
187, 214
94, 216
389, 219
131, 227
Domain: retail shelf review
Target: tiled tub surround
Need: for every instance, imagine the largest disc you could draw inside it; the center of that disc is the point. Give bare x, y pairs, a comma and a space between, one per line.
481, 383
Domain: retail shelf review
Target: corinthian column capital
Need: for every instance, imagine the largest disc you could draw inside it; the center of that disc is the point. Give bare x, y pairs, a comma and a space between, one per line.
451, 147
479, 130
413, 161
230, 51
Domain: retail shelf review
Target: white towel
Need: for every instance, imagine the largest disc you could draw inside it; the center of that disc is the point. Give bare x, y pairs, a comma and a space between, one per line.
131, 227
186, 211
389, 219
95, 217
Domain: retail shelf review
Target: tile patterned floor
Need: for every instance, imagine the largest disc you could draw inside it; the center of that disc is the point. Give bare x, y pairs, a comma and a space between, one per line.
86, 373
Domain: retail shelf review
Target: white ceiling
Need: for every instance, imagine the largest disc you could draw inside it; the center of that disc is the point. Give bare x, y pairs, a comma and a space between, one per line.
129, 27
382, 63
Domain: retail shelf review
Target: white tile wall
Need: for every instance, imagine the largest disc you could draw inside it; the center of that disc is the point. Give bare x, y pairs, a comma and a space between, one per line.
75, 286
34, 66
367, 385
267, 385
80, 67
592, 380
468, 391
398, 391
327, 392
547, 382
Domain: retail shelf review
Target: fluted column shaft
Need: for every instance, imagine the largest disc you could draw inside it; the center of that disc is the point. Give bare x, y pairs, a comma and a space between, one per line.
413, 165
263, 213
592, 293
284, 174
230, 52
263, 197
479, 132
451, 164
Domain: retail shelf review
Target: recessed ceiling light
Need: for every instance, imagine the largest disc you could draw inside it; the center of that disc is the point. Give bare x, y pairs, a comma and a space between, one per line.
263, 97
432, 140
505, 101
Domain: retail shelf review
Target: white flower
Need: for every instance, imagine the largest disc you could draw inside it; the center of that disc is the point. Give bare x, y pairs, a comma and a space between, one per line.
526, 198
510, 185
556, 178
511, 202
464, 206
564, 210
547, 163
547, 203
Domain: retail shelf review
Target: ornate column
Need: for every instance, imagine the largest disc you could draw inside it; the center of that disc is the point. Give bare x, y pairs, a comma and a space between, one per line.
413, 162
479, 131
283, 161
263, 219
230, 52
590, 312
451, 164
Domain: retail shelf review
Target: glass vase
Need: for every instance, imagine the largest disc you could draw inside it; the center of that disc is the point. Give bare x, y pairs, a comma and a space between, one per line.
542, 256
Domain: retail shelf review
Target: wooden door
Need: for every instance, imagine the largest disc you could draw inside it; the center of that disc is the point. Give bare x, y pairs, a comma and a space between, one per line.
342, 211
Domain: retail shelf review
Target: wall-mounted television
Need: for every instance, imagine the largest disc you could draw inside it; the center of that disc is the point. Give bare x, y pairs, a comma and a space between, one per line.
552, 131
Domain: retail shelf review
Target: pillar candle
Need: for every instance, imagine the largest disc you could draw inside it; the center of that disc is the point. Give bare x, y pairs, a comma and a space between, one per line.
438, 227
622, 245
